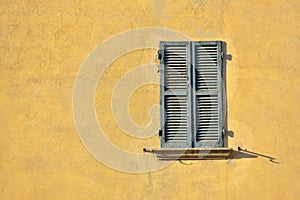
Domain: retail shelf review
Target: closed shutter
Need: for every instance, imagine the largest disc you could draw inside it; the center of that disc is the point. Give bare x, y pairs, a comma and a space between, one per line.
207, 62
174, 100
191, 103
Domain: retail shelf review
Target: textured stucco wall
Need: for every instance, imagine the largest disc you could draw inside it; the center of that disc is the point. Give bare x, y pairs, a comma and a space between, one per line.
43, 44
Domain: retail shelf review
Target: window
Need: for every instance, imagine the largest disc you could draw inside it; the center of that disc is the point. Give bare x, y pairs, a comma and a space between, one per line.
191, 94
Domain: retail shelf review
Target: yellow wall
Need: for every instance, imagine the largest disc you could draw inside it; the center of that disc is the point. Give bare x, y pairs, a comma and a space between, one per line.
43, 44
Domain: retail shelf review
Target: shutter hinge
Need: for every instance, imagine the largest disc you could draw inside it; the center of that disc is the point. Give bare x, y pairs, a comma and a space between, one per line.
160, 56
223, 131
160, 132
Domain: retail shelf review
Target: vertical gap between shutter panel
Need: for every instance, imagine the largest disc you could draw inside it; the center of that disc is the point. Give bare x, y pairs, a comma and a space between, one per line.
194, 113
189, 95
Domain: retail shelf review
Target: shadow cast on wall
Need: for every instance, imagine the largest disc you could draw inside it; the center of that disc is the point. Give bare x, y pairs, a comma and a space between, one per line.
246, 151
239, 155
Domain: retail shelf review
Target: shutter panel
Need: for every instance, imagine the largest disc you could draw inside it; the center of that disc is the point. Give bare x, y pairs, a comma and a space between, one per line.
174, 69
207, 72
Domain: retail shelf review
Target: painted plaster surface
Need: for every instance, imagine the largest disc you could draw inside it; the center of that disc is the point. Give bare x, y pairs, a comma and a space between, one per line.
43, 44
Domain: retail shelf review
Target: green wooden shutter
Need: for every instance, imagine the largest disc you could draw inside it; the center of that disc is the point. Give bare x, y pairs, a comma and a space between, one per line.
174, 95
208, 86
191, 94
